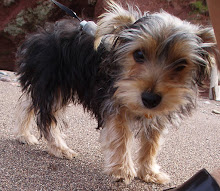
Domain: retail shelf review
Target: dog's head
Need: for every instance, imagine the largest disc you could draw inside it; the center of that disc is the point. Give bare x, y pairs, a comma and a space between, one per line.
162, 59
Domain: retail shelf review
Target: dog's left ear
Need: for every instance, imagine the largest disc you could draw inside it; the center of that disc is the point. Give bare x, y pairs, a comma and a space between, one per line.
113, 21
209, 54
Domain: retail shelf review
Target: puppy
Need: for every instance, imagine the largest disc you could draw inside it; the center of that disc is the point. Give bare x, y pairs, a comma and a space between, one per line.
140, 72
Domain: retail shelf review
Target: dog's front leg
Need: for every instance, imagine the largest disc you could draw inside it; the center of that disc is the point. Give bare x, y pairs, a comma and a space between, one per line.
148, 168
116, 139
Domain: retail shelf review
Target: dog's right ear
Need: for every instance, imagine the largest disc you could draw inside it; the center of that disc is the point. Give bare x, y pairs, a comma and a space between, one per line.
210, 55
113, 21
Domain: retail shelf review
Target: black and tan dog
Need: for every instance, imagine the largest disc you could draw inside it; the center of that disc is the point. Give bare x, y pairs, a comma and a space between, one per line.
140, 71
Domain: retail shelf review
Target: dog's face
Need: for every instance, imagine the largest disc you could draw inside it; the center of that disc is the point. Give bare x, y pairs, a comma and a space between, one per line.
162, 60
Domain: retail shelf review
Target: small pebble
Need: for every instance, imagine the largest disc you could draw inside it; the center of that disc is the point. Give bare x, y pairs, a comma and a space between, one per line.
215, 111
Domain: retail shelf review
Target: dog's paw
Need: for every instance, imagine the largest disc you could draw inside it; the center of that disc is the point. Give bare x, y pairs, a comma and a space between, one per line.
154, 177
123, 174
69, 154
61, 153
27, 139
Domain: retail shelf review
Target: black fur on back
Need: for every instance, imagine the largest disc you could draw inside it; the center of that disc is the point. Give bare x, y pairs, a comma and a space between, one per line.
58, 65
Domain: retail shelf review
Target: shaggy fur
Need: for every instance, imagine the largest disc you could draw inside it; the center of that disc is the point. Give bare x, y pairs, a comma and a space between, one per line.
139, 72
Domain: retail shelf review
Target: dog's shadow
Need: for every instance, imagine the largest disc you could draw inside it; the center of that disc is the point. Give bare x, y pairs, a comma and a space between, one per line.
27, 167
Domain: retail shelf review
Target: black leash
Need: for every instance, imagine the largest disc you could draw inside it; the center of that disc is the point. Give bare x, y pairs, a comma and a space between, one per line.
67, 10
87, 26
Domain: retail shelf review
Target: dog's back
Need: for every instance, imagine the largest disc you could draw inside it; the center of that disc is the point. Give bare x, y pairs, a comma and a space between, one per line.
57, 65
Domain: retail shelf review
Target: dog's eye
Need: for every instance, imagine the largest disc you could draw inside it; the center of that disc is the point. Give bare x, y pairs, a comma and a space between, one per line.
138, 56
179, 64
180, 68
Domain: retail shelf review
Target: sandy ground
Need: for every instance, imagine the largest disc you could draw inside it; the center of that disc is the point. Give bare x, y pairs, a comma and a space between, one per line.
194, 145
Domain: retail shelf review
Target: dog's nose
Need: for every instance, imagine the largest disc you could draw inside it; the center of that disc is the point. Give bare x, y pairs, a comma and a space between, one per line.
150, 100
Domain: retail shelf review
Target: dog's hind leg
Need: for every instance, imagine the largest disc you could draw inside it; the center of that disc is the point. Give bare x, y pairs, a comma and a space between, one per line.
24, 119
55, 140
148, 167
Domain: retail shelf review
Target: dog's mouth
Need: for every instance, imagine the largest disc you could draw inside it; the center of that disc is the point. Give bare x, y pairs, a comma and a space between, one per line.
148, 116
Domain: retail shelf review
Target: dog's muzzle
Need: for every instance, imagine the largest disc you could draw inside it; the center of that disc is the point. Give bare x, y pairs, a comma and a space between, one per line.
150, 100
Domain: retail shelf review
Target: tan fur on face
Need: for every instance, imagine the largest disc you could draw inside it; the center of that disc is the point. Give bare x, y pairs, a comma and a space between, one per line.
173, 94
155, 75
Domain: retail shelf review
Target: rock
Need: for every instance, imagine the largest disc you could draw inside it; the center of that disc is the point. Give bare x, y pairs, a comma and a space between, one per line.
215, 111
4, 77
18, 18
3, 73
207, 102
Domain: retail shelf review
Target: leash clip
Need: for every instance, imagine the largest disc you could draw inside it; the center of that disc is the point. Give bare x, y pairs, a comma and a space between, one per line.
88, 26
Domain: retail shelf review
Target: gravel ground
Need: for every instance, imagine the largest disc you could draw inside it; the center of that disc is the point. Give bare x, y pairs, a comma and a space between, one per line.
193, 146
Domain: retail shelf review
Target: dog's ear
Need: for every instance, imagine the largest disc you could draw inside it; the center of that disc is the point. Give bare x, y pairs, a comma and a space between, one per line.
209, 53
113, 21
